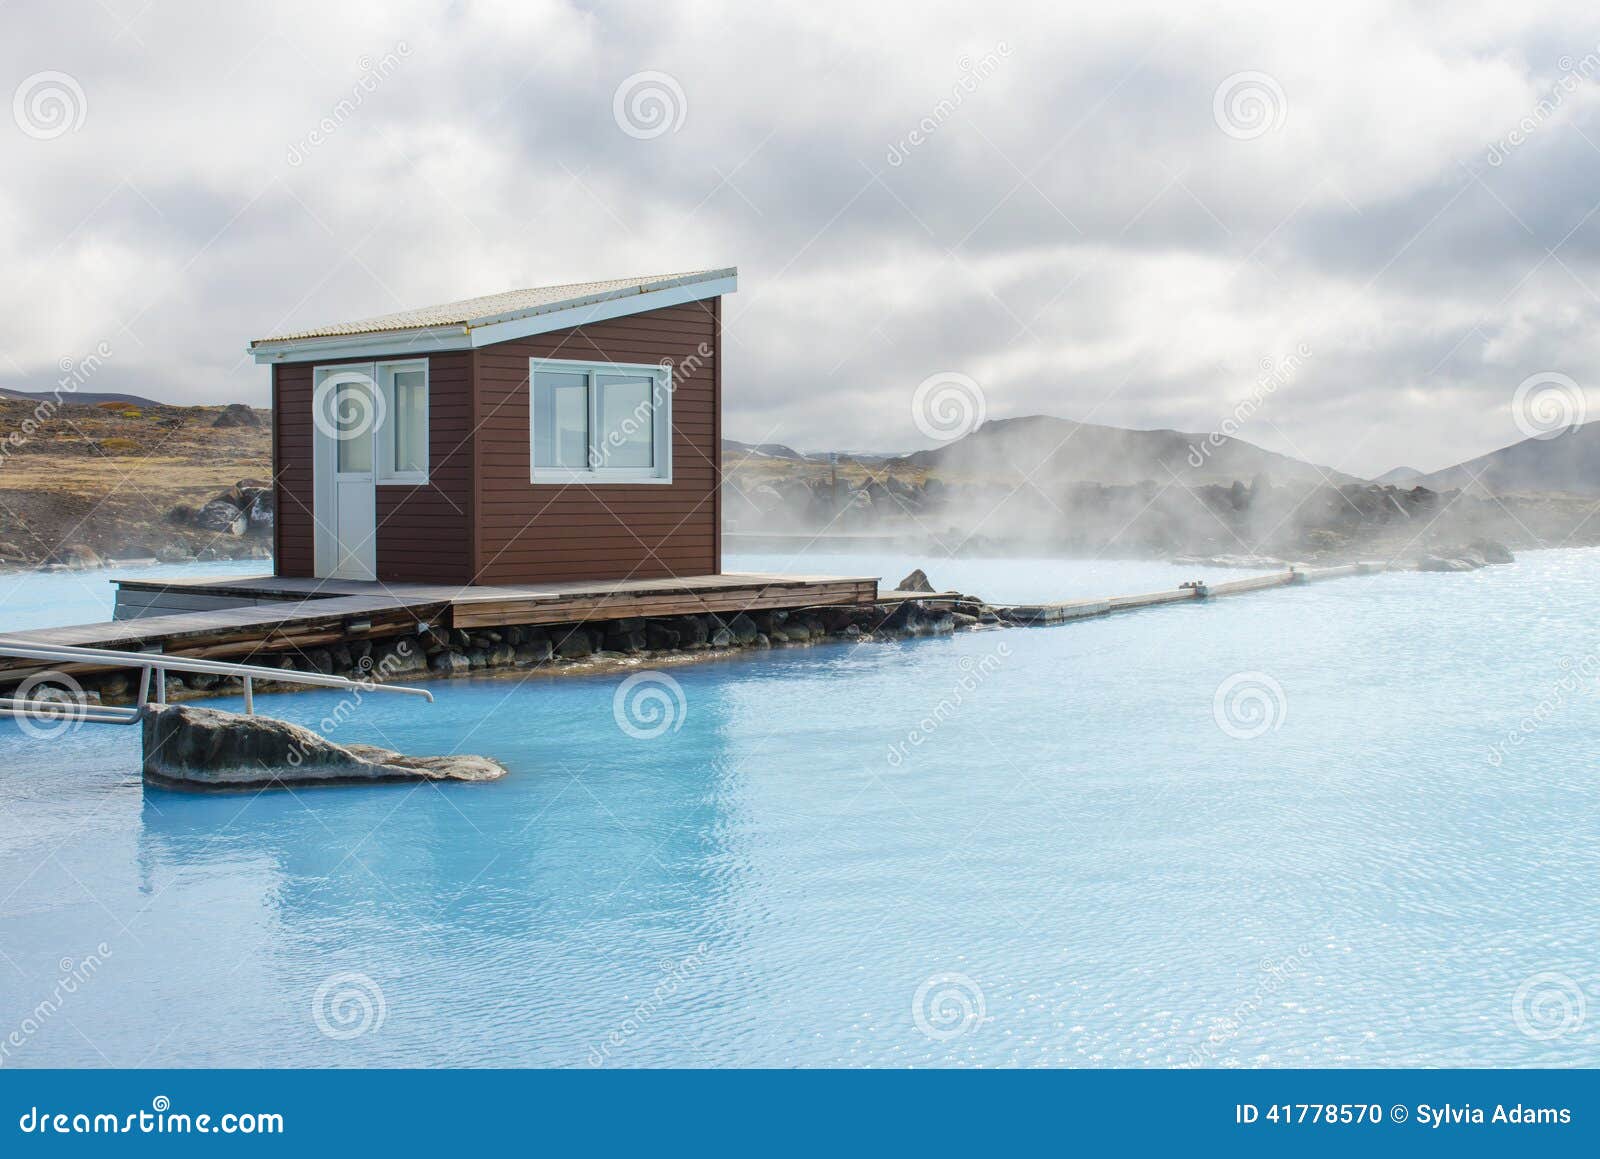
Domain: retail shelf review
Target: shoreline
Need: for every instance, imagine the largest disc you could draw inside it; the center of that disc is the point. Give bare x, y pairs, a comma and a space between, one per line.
600, 648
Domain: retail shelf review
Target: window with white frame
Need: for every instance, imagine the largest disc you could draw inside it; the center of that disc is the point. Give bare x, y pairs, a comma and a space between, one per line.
403, 434
599, 422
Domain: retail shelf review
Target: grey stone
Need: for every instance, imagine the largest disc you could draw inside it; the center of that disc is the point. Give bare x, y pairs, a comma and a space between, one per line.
450, 663
722, 638
534, 653
626, 640
575, 645
221, 516
692, 630
204, 748
743, 628
114, 685
659, 637
917, 581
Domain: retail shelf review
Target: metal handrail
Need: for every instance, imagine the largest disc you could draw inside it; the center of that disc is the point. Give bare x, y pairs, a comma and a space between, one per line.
68, 710
153, 667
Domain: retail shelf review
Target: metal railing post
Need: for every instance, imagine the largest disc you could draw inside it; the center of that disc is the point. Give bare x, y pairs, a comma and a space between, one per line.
249, 698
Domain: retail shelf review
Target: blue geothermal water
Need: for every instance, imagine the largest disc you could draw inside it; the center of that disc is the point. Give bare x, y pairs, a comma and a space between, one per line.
1350, 823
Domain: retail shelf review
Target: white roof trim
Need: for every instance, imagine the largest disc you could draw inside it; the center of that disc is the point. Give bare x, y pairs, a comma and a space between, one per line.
488, 330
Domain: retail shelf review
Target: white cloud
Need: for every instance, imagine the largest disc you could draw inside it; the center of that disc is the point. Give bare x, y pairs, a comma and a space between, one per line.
1072, 227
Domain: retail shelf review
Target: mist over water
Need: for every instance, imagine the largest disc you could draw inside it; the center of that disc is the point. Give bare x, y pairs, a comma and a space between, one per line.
1047, 486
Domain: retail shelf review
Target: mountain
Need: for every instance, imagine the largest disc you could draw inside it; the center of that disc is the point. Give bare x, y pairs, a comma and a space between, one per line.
1399, 476
1569, 462
77, 397
733, 449
1046, 449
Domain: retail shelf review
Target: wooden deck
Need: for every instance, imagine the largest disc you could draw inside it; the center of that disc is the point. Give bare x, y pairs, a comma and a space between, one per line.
214, 617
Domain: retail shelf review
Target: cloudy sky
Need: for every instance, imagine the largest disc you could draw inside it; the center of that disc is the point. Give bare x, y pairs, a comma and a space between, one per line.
1131, 214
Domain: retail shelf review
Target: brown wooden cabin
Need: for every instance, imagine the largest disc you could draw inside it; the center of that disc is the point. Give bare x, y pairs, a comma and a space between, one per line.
565, 433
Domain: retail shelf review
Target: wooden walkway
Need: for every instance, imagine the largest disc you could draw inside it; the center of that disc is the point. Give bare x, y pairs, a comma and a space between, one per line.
212, 617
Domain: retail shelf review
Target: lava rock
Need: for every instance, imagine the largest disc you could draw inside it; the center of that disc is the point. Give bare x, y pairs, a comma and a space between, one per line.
222, 517
917, 581
659, 637
575, 645
203, 748
236, 414
450, 663
533, 653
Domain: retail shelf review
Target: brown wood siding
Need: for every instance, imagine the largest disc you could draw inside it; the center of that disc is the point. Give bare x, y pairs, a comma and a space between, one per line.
424, 533
541, 532
291, 456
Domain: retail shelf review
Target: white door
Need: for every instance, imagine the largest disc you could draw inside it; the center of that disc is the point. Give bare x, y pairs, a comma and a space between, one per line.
347, 409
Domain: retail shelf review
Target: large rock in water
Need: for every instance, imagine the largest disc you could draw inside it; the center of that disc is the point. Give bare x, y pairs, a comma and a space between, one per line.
203, 748
917, 581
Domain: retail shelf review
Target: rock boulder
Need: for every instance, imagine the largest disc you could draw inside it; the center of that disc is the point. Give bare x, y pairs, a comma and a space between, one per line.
917, 581
188, 747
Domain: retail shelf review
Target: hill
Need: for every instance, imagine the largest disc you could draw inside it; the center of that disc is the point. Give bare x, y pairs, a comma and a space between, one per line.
1569, 462
76, 398
115, 480
1042, 448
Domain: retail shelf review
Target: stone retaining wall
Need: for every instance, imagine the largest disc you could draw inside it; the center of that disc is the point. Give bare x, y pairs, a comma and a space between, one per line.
575, 647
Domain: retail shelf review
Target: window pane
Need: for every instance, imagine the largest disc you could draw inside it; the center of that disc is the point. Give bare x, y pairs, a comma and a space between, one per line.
560, 420
627, 421
408, 420
352, 417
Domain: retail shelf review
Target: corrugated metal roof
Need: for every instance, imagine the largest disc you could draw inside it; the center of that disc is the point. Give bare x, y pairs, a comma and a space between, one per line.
472, 312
